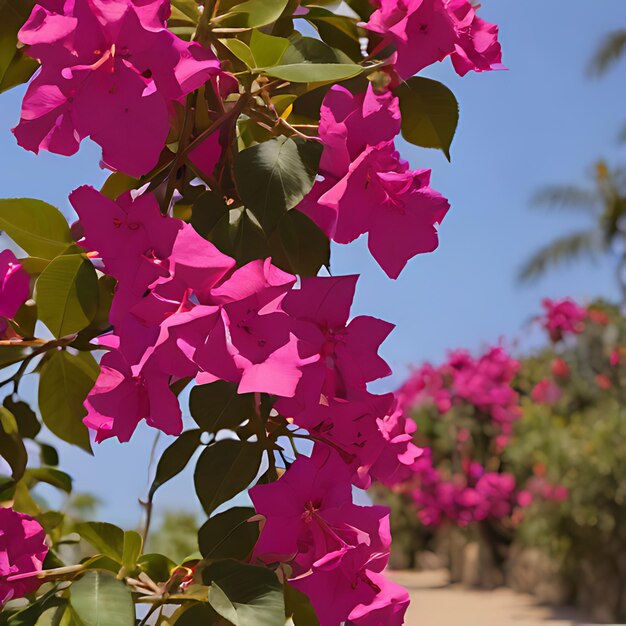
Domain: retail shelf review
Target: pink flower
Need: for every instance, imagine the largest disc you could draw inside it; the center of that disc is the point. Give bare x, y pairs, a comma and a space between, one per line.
332, 545
387, 606
546, 391
343, 354
366, 187
426, 31
14, 288
563, 317
123, 396
476, 48
22, 551
125, 233
111, 71
253, 342
421, 30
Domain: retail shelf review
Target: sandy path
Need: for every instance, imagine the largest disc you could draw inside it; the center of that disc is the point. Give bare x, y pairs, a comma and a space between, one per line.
436, 603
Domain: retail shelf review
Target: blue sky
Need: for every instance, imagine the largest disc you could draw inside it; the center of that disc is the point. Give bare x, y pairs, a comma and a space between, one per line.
543, 121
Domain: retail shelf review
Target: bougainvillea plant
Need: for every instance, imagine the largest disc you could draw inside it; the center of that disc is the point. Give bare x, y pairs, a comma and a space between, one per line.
242, 137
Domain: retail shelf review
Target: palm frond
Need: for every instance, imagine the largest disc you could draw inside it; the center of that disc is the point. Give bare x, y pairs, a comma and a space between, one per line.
562, 251
567, 197
608, 53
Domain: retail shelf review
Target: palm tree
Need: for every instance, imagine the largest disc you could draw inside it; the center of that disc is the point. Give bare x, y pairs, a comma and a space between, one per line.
605, 203
608, 53
606, 56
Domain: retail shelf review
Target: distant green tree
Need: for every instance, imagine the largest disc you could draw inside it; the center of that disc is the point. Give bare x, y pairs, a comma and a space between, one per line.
176, 535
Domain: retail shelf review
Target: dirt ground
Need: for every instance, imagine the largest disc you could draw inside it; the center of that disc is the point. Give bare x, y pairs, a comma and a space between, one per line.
436, 603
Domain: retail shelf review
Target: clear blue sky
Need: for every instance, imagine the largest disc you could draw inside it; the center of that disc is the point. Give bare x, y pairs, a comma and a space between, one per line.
542, 121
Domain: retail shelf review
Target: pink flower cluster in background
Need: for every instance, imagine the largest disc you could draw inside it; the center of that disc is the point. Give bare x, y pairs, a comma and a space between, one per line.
22, 551
484, 382
563, 317
14, 290
472, 496
426, 31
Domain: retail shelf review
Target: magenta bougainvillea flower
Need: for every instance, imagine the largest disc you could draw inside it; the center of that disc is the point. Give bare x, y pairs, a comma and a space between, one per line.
344, 353
335, 549
563, 317
22, 551
110, 71
546, 391
14, 288
123, 396
367, 187
426, 31
476, 47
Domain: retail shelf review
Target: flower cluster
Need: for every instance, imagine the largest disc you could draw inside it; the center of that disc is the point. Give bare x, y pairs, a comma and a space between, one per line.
563, 317
336, 550
366, 187
22, 551
14, 290
474, 495
484, 382
184, 311
426, 31
110, 71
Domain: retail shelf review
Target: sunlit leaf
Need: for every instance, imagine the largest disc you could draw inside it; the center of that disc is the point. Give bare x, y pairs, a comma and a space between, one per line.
101, 600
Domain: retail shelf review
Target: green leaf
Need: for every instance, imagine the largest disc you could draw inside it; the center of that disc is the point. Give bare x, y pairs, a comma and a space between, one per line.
117, 184
19, 71
238, 234
299, 246
207, 212
49, 454
67, 295
12, 448
37, 227
266, 49
64, 383
38, 613
27, 423
133, 544
338, 31
13, 65
25, 319
253, 13
244, 594
101, 600
229, 534
274, 176
34, 265
104, 537
189, 8
157, 566
430, 113
51, 476
175, 458
298, 607
9, 355
314, 72
225, 469
195, 615
240, 50
218, 406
